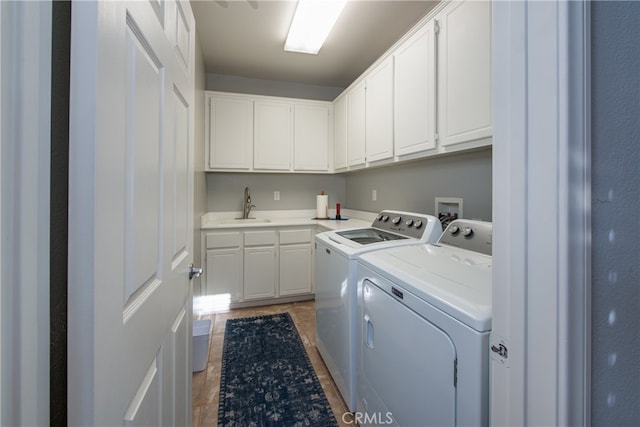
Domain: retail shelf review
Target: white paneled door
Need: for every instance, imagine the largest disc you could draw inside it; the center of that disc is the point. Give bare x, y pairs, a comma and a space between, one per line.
130, 213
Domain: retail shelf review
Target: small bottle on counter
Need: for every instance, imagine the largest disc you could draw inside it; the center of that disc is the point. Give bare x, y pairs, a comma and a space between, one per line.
338, 211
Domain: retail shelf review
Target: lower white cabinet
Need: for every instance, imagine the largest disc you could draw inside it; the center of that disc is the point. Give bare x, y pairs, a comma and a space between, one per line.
223, 264
296, 262
258, 264
259, 272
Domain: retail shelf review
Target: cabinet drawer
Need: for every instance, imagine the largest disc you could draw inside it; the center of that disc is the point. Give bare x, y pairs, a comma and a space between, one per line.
231, 239
295, 236
260, 238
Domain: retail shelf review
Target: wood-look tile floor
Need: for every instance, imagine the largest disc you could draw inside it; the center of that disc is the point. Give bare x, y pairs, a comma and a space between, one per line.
206, 384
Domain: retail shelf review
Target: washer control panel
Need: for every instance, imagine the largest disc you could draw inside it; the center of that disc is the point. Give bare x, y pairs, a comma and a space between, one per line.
405, 223
469, 234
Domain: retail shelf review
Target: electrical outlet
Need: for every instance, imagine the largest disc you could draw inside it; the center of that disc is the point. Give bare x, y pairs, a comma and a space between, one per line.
374, 195
276, 195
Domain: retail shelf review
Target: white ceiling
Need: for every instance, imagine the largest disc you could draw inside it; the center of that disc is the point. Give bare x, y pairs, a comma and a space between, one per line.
246, 38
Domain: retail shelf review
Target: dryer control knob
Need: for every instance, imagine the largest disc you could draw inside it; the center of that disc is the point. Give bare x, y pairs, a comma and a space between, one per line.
467, 231
454, 229
396, 220
385, 218
409, 222
418, 224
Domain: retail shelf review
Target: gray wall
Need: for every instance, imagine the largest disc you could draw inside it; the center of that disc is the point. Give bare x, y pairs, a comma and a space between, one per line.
615, 325
225, 190
226, 83
414, 186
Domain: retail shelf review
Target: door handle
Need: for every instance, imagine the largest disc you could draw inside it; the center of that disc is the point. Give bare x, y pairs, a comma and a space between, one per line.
194, 271
368, 335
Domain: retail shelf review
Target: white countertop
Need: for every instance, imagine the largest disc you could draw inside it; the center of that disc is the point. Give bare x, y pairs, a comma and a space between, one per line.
222, 220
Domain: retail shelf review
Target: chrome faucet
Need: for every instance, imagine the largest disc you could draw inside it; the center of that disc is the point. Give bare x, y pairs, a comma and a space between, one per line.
247, 204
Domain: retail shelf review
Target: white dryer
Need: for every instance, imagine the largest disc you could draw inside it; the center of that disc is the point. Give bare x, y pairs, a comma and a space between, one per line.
424, 322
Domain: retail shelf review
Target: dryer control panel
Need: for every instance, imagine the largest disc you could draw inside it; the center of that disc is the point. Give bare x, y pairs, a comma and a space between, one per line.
469, 234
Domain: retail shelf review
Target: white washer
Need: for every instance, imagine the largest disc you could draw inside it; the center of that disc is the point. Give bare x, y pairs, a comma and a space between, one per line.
336, 260
424, 315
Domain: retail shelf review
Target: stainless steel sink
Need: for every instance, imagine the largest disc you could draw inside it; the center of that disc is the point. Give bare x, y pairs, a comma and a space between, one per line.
244, 221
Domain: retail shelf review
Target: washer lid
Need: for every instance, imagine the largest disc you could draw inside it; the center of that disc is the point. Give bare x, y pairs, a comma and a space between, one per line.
454, 280
367, 236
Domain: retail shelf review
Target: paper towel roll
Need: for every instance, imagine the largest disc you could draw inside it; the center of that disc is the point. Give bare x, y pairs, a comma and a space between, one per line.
322, 206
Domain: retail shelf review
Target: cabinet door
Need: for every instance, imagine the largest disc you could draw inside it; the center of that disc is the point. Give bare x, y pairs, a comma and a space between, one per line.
379, 112
464, 72
415, 93
356, 125
295, 269
224, 272
340, 133
259, 272
311, 138
230, 132
273, 135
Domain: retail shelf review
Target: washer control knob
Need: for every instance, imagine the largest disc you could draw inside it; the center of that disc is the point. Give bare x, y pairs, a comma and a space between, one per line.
454, 229
409, 222
379, 218
396, 220
418, 224
385, 218
467, 231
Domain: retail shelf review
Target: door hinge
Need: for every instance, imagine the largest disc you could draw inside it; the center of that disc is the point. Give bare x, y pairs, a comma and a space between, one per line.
455, 372
437, 137
436, 26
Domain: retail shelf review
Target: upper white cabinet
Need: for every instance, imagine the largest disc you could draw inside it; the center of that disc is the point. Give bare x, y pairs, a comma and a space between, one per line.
464, 73
356, 125
230, 133
272, 135
250, 133
429, 94
312, 134
415, 92
340, 133
379, 112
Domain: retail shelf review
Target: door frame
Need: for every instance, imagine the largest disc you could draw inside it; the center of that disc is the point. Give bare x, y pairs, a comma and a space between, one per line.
541, 213
514, 202
25, 113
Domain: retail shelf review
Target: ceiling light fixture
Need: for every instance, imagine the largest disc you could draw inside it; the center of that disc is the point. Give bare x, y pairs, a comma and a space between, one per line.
311, 24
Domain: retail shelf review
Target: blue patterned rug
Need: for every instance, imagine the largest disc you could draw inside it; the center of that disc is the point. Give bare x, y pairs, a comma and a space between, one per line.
267, 378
